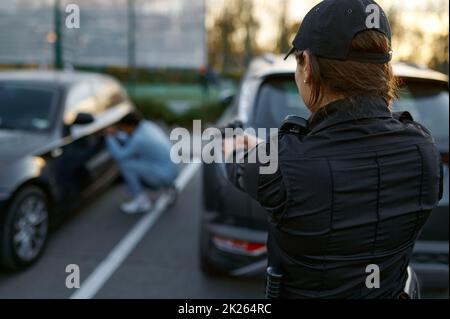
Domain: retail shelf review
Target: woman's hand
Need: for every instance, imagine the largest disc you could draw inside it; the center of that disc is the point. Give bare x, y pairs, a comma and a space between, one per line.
238, 143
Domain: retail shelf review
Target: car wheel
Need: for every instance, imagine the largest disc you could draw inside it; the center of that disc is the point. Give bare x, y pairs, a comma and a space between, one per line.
206, 265
24, 229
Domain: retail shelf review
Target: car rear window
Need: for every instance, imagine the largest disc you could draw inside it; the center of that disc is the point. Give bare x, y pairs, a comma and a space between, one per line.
277, 98
25, 107
428, 103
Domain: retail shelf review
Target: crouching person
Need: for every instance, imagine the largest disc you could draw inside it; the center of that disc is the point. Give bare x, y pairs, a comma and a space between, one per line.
142, 152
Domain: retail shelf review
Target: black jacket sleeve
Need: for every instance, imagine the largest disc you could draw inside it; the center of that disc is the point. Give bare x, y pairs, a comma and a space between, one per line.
268, 189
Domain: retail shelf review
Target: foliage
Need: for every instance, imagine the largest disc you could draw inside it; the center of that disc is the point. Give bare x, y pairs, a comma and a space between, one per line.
152, 109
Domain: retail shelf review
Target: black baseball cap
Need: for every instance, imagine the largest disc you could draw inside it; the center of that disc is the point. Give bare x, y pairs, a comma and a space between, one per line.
328, 29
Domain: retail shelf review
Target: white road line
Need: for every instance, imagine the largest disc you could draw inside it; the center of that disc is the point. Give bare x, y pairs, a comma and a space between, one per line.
117, 256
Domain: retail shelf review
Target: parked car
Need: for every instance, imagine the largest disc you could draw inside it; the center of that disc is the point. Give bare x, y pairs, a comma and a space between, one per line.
234, 226
52, 152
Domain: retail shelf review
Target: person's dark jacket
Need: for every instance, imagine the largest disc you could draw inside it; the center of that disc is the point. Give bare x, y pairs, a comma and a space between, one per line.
355, 191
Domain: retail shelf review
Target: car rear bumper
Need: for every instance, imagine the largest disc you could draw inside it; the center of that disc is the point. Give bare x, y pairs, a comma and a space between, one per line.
429, 261
235, 263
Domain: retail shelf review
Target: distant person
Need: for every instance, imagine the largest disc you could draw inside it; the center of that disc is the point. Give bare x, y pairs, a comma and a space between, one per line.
207, 78
204, 81
212, 76
142, 151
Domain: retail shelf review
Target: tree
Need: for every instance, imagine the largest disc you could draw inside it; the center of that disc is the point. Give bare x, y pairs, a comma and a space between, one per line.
220, 39
251, 26
439, 61
414, 37
284, 44
232, 37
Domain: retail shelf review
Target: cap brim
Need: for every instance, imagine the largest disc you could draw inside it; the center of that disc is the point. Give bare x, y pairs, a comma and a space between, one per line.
289, 53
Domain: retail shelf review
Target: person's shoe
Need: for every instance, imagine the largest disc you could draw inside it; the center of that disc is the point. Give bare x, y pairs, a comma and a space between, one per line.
140, 204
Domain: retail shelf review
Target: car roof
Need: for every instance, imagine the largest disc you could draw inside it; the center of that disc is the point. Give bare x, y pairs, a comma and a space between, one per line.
60, 78
270, 64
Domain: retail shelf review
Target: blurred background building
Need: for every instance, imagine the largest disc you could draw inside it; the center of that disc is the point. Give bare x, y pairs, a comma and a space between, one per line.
147, 34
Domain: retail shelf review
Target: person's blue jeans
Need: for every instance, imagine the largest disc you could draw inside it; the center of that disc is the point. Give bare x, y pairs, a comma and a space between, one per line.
140, 174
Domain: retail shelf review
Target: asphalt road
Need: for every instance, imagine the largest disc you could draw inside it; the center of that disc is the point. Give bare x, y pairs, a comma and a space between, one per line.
164, 263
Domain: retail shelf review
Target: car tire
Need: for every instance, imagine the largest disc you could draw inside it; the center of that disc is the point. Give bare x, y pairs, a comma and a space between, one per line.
206, 265
24, 229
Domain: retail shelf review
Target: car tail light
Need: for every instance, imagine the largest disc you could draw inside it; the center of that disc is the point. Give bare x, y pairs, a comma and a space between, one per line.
445, 158
239, 246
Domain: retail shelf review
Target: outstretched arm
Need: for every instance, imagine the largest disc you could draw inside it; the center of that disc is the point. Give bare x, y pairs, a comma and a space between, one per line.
120, 152
268, 189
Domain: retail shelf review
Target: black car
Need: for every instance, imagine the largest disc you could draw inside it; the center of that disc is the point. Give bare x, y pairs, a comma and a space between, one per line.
52, 152
234, 226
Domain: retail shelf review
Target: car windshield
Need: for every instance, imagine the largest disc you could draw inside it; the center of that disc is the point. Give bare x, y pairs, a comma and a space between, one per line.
278, 98
25, 107
428, 104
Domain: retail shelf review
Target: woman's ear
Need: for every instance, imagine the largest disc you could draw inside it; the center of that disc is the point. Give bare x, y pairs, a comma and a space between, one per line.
306, 67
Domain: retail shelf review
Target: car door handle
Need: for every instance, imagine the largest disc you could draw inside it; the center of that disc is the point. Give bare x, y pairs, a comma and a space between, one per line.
57, 152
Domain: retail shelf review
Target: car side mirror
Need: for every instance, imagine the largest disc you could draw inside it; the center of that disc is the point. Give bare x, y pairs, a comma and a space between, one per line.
83, 119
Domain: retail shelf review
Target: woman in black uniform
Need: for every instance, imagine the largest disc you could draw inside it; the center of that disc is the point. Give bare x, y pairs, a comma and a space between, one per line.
355, 184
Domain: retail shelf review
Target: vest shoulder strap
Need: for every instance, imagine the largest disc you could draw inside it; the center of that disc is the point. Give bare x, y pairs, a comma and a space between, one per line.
294, 124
